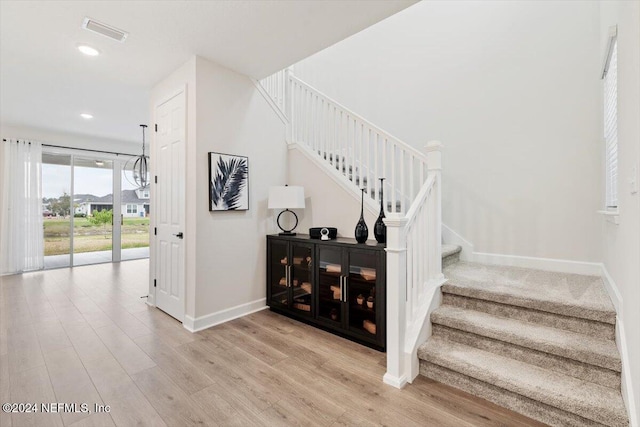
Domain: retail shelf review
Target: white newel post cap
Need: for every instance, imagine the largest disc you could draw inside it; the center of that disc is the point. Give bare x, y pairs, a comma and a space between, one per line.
395, 223
434, 155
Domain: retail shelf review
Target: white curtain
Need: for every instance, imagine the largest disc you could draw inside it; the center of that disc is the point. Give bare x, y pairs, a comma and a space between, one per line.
21, 232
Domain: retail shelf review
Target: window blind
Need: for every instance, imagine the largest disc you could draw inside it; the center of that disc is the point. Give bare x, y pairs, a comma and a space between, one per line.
611, 128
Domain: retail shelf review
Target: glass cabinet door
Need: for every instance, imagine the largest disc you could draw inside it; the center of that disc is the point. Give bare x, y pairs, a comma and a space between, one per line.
329, 284
361, 293
301, 277
278, 280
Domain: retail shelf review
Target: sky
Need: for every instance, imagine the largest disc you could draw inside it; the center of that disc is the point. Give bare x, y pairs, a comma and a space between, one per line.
56, 179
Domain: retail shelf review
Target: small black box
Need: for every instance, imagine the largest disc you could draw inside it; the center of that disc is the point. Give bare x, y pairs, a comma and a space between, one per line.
316, 232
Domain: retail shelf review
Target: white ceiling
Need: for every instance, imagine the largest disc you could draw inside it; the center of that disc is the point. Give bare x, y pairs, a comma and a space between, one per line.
45, 82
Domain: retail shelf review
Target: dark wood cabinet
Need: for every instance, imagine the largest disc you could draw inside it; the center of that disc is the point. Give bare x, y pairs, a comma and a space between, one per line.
290, 276
338, 285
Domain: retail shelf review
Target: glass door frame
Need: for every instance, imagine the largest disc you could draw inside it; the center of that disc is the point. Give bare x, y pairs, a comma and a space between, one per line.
118, 161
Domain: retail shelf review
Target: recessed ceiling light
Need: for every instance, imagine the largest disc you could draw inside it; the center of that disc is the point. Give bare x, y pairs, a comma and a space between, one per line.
86, 116
88, 50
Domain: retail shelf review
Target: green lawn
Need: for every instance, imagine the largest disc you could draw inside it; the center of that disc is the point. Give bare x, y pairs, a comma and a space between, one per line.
91, 238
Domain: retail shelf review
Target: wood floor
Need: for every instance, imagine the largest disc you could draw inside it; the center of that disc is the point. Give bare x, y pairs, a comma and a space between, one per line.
84, 335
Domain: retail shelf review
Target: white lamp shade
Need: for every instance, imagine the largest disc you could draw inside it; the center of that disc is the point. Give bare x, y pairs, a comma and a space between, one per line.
286, 197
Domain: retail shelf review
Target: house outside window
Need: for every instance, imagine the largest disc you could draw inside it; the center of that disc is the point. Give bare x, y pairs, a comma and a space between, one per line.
610, 88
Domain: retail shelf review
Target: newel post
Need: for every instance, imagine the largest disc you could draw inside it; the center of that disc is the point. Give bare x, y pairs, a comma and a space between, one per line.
288, 103
396, 374
433, 150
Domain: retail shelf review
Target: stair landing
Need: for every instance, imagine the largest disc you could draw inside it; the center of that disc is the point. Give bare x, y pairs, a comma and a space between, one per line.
561, 293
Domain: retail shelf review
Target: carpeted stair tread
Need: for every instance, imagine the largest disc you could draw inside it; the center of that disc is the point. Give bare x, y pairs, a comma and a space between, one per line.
573, 368
533, 409
563, 343
448, 250
554, 320
594, 402
567, 294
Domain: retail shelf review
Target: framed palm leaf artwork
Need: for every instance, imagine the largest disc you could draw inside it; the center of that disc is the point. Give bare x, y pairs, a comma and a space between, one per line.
228, 182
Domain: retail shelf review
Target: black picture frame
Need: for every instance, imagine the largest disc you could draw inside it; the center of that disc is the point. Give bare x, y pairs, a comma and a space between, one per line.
228, 182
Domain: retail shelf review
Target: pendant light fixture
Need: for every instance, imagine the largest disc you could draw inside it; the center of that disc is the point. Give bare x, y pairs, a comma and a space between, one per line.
138, 167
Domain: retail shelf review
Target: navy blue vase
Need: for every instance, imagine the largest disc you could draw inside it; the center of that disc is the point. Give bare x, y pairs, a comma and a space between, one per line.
380, 228
362, 231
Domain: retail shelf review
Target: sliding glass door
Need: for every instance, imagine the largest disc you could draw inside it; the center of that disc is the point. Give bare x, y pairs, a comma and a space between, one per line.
93, 210
135, 202
93, 213
56, 208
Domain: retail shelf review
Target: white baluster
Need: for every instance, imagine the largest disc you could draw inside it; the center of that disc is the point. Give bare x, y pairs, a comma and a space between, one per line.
393, 181
288, 105
359, 148
376, 184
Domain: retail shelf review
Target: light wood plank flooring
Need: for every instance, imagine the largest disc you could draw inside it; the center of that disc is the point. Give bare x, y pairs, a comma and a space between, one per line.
84, 335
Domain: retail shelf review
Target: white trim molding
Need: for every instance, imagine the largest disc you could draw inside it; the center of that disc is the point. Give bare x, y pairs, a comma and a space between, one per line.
469, 254
547, 264
270, 101
451, 237
203, 322
621, 342
612, 216
422, 329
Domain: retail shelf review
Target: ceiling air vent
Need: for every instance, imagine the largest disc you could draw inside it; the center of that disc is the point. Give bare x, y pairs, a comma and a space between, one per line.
105, 30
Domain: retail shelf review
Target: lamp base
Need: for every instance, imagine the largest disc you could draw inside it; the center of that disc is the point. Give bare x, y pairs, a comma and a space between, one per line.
284, 231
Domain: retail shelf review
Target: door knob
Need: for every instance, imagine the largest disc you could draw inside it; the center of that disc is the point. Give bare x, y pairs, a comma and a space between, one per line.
179, 235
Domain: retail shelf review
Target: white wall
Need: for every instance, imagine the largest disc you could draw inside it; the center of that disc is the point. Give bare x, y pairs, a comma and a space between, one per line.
233, 118
511, 88
622, 242
70, 140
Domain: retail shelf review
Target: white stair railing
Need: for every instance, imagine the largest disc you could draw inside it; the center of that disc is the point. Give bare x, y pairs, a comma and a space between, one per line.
276, 87
358, 149
364, 153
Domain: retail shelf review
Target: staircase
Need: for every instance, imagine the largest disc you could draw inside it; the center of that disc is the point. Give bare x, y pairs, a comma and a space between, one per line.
539, 343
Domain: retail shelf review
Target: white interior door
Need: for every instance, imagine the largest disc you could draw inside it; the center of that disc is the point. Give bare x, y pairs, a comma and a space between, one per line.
169, 203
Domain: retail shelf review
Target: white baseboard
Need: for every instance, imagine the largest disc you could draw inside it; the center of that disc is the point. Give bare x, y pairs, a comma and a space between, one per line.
394, 381
203, 322
421, 330
468, 253
621, 342
452, 238
612, 289
547, 264
626, 382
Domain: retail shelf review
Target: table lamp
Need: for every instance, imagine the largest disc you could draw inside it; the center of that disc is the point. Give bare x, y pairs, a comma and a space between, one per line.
286, 197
